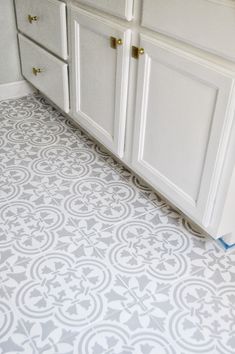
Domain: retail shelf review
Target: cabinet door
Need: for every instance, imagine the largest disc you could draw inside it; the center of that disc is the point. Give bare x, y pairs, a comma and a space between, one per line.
100, 78
182, 118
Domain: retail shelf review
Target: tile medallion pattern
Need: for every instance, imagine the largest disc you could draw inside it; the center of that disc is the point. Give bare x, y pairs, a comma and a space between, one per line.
91, 260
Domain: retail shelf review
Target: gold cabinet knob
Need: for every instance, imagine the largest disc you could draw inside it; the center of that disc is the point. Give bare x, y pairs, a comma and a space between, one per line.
36, 71
114, 42
119, 41
136, 52
32, 19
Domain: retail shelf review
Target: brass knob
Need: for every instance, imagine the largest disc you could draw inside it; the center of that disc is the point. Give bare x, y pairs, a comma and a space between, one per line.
136, 52
114, 42
36, 71
119, 41
32, 18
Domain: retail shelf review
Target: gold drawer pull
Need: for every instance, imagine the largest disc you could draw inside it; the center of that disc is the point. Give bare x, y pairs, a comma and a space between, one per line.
36, 71
32, 19
114, 42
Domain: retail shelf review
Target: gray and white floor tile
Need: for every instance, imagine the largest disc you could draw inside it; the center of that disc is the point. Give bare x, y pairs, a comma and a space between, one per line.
92, 261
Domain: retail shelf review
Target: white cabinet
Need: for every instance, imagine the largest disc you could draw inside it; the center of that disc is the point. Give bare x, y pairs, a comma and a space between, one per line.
119, 8
209, 24
45, 22
179, 107
182, 113
100, 77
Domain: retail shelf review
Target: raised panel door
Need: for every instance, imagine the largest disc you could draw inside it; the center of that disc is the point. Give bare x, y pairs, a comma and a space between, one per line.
182, 110
100, 78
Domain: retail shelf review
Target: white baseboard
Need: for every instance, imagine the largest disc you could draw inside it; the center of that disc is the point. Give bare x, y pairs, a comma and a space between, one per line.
15, 90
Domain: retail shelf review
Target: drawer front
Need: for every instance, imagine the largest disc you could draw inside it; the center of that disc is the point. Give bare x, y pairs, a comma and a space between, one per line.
47, 24
204, 23
53, 78
120, 8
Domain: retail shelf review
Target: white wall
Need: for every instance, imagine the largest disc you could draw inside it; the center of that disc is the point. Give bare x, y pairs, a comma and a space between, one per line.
9, 56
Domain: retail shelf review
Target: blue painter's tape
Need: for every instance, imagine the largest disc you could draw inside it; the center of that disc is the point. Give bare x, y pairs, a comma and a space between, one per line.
226, 245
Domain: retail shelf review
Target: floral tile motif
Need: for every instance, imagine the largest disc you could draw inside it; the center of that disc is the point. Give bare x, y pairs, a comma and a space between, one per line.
13, 335
65, 287
34, 132
212, 263
63, 162
109, 202
108, 338
61, 298
12, 178
203, 317
76, 237
166, 252
92, 261
28, 230
48, 338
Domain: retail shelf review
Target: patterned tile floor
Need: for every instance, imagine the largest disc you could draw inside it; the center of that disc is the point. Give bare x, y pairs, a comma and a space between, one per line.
91, 260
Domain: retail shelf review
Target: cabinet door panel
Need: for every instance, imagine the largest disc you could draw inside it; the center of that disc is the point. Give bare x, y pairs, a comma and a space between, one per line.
100, 78
181, 109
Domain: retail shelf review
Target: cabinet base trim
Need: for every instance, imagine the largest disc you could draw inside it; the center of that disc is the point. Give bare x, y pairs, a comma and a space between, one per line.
15, 89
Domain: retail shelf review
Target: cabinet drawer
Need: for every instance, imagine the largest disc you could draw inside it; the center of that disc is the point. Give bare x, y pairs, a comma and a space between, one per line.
204, 23
120, 8
53, 78
47, 24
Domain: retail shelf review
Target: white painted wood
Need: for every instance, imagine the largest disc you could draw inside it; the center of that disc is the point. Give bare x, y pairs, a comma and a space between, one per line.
53, 80
222, 219
50, 30
209, 24
182, 117
120, 8
227, 220
100, 78
15, 90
